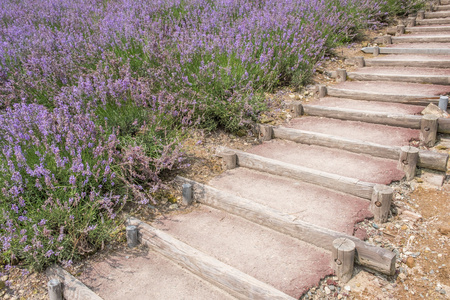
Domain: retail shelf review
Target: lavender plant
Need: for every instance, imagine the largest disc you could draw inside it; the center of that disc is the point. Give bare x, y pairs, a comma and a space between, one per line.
95, 96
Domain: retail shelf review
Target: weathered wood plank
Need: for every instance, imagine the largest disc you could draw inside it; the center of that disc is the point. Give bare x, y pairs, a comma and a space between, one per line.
332, 181
433, 21
214, 271
370, 256
444, 125
387, 50
407, 63
73, 289
427, 29
420, 39
441, 8
427, 159
437, 14
431, 79
382, 97
408, 121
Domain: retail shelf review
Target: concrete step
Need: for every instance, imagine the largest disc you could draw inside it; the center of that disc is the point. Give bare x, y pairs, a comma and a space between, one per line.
358, 166
375, 133
388, 91
402, 74
437, 14
435, 38
433, 29
146, 275
441, 8
373, 106
409, 60
285, 263
306, 202
438, 21
412, 48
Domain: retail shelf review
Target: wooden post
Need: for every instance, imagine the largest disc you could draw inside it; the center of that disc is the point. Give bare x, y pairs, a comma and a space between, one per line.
400, 29
380, 204
376, 51
341, 75
265, 132
296, 108
420, 15
387, 39
343, 258
428, 130
230, 159
132, 236
322, 91
411, 22
54, 289
187, 193
359, 61
408, 161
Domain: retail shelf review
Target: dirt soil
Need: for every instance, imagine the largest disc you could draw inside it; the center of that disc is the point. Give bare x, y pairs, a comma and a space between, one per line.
418, 230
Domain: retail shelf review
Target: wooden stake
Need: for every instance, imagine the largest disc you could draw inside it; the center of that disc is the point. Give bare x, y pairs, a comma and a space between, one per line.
376, 51
408, 161
411, 22
420, 15
132, 236
54, 289
381, 202
265, 132
387, 39
359, 61
341, 75
428, 130
296, 108
230, 159
400, 29
343, 258
322, 91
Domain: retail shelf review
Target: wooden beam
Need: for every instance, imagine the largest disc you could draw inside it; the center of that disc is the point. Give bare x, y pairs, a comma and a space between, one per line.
444, 125
370, 256
382, 97
421, 39
407, 63
235, 282
336, 182
72, 288
431, 79
388, 50
427, 159
442, 8
433, 15
433, 21
428, 29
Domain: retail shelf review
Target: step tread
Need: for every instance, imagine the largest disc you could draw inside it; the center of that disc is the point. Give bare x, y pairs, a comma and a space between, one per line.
335, 161
411, 57
400, 88
397, 108
375, 133
410, 71
283, 262
125, 275
307, 202
420, 45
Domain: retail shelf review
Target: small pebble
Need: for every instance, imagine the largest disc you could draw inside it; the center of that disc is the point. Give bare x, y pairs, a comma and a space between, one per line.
347, 288
375, 226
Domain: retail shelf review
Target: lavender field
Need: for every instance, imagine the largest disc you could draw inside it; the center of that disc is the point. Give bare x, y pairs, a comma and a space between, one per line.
95, 96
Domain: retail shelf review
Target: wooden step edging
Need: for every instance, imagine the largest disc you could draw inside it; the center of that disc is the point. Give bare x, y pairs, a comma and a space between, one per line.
382, 97
433, 15
412, 39
373, 257
427, 159
407, 63
433, 21
72, 288
430, 79
332, 181
386, 50
231, 280
407, 121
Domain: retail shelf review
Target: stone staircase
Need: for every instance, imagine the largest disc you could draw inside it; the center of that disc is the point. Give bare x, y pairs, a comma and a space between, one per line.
283, 215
